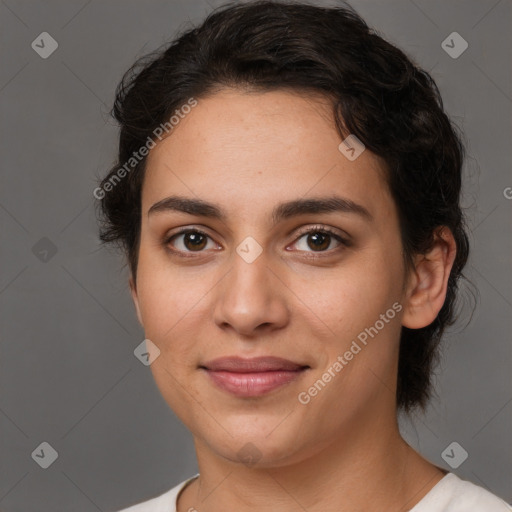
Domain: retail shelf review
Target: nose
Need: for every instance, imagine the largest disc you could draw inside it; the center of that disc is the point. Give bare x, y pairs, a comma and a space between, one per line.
251, 300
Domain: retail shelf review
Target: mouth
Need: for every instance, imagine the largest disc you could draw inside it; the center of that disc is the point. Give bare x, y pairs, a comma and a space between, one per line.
252, 377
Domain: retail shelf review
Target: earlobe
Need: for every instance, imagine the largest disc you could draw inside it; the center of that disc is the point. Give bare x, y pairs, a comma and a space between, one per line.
135, 298
426, 292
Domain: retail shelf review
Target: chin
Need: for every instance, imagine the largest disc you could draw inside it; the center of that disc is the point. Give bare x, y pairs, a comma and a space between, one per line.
266, 445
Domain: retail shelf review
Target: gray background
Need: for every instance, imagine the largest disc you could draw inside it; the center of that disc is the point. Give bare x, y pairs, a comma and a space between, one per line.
68, 329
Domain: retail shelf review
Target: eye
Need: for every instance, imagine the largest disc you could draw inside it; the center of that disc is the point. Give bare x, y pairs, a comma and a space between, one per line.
320, 239
190, 240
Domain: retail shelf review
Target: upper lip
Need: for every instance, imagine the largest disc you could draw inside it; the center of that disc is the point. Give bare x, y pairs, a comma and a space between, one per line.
255, 364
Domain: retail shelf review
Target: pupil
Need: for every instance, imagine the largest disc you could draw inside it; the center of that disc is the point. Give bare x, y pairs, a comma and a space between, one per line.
320, 241
194, 241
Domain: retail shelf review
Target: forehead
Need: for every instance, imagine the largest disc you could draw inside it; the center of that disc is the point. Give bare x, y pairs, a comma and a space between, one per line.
246, 150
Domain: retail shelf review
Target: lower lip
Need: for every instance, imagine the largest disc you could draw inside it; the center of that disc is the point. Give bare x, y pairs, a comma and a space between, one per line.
253, 384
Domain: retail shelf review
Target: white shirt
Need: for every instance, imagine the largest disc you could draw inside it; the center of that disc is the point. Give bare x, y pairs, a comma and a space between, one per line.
450, 494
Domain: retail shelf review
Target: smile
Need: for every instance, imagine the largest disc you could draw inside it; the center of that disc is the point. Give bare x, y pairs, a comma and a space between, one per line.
252, 377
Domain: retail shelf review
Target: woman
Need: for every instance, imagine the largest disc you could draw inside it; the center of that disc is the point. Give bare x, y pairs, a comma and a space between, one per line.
287, 194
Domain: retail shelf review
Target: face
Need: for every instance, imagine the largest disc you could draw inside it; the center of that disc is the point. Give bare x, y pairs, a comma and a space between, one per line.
290, 251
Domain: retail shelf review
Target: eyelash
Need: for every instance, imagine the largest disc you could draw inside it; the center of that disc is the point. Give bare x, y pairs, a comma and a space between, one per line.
313, 230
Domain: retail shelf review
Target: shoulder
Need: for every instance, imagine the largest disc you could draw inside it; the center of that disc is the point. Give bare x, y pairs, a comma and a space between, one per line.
165, 502
452, 494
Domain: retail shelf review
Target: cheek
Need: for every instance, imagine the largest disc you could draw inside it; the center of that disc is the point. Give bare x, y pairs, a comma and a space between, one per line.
171, 303
170, 300
351, 304
354, 295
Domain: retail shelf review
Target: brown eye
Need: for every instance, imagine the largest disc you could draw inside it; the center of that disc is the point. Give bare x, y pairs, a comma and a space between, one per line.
190, 240
318, 241
194, 241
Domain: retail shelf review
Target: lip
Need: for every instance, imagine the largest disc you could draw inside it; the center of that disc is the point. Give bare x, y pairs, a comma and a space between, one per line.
252, 377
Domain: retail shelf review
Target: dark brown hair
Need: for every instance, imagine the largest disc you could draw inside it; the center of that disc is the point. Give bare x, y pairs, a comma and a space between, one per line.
377, 93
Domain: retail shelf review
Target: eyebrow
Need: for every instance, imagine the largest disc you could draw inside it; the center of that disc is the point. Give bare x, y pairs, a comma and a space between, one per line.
201, 208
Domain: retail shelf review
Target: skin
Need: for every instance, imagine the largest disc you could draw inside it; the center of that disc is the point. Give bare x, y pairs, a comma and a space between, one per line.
246, 153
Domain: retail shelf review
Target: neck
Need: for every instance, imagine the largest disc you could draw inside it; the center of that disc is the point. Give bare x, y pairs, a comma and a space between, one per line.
373, 469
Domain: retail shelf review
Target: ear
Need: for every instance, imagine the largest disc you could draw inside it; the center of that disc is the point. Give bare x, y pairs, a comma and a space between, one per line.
133, 291
428, 281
